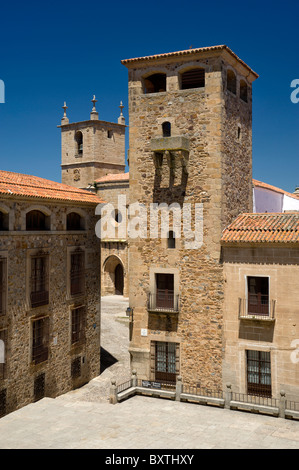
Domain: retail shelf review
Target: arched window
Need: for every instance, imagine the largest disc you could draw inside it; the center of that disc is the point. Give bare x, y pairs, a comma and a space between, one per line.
243, 90
194, 78
79, 143
171, 239
155, 83
231, 81
73, 221
36, 220
166, 129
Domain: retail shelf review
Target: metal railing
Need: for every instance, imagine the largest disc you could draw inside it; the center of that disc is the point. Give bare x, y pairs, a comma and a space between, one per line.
206, 396
257, 308
163, 300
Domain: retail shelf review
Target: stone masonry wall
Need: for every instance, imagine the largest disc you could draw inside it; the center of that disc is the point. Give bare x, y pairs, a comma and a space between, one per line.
16, 246
198, 115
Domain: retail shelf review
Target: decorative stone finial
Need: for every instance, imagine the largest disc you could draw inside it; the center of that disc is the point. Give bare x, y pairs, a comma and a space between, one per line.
121, 119
64, 120
94, 114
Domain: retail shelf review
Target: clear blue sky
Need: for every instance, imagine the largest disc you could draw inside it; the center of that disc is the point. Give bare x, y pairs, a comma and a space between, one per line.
67, 51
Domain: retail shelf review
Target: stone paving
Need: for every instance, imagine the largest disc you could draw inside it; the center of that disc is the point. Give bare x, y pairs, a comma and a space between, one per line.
83, 419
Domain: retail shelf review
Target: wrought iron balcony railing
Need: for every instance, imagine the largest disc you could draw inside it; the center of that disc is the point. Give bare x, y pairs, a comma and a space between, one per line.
163, 300
257, 307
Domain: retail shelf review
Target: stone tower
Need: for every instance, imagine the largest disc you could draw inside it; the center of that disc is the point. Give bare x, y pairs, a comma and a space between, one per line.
91, 149
190, 145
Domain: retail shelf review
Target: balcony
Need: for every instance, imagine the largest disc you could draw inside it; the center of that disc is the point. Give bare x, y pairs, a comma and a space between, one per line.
163, 301
257, 307
162, 144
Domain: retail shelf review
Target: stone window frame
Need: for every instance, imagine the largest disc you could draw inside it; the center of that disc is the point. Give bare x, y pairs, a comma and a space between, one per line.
149, 73
32, 253
71, 250
83, 221
45, 210
9, 215
246, 289
82, 327
157, 270
46, 339
153, 355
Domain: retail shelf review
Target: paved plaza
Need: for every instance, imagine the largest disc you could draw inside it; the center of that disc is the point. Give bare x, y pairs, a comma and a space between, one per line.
84, 419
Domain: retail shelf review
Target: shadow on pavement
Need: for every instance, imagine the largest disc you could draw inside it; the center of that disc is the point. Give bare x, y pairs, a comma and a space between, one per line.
107, 360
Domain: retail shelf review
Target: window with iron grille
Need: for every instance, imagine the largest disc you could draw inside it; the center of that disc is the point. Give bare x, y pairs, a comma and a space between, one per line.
258, 295
76, 367
165, 361
39, 293
40, 340
39, 387
3, 278
77, 274
259, 373
78, 325
3, 349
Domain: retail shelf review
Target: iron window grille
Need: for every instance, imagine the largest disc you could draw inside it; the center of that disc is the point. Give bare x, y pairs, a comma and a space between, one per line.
78, 325
77, 274
39, 294
259, 373
40, 340
165, 362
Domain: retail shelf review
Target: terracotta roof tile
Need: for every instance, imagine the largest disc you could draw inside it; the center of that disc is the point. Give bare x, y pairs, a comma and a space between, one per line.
187, 52
18, 184
263, 228
113, 177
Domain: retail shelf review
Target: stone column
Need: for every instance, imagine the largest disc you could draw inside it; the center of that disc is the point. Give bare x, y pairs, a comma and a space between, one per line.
282, 404
179, 388
228, 396
113, 393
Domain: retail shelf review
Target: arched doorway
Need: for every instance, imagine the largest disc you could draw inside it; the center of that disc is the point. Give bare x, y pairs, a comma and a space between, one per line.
113, 276
119, 279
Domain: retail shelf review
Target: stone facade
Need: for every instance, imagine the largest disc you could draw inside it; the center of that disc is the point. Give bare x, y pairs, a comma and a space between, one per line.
206, 160
38, 324
91, 149
114, 250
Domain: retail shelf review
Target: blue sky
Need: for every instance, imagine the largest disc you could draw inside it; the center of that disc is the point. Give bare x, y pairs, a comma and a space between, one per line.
67, 51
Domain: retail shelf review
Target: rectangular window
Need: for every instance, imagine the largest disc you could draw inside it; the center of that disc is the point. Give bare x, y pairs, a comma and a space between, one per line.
3, 277
165, 291
39, 293
258, 295
165, 361
40, 340
77, 274
78, 325
259, 373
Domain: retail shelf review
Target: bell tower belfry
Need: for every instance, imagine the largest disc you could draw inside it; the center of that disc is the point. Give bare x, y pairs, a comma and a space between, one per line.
91, 149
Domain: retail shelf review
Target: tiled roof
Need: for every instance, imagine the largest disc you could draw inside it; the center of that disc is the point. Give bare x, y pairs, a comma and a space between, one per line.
260, 184
186, 52
263, 228
18, 184
113, 177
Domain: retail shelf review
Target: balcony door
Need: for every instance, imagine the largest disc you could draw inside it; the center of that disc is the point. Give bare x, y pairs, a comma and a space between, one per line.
258, 295
164, 290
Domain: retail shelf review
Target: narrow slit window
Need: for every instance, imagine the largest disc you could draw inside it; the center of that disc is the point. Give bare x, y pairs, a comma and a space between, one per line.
243, 91
166, 129
79, 143
171, 239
